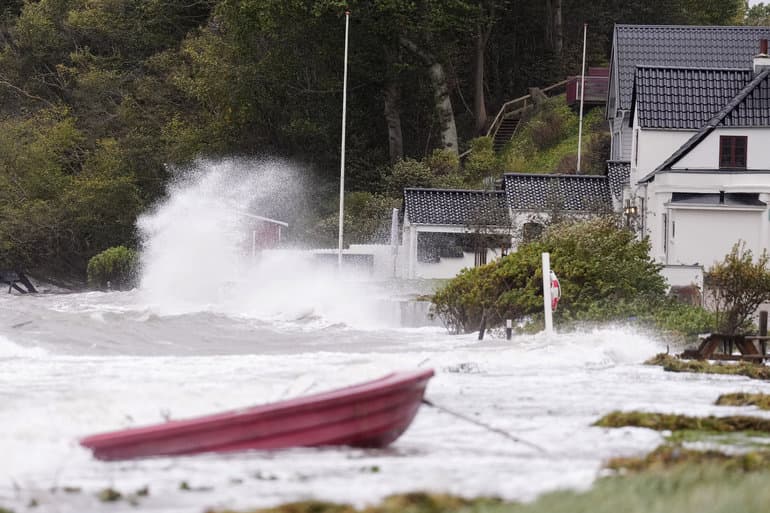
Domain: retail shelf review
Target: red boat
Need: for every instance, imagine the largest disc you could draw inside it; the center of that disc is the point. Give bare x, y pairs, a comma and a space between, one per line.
371, 414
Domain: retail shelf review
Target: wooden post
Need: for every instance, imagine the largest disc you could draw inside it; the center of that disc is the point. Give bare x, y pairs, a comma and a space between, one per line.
763, 331
483, 324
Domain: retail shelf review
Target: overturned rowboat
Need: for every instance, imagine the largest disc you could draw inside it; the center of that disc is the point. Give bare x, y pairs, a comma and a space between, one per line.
371, 414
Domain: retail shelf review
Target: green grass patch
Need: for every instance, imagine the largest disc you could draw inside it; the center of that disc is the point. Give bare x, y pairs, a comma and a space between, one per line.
673, 364
673, 455
761, 401
672, 422
695, 484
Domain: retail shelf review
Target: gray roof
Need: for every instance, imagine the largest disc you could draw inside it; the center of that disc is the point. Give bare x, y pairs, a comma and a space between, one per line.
747, 108
577, 193
455, 207
618, 175
681, 46
684, 98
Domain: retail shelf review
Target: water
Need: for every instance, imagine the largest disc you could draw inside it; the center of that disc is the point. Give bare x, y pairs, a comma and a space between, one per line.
190, 342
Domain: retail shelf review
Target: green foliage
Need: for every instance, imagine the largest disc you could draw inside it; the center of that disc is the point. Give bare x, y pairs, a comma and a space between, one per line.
761, 401
547, 142
738, 285
482, 161
409, 173
443, 162
602, 270
671, 422
114, 268
367, 220
673, 364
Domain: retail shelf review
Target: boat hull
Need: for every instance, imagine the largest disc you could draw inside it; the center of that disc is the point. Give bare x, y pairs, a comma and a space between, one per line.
371, 414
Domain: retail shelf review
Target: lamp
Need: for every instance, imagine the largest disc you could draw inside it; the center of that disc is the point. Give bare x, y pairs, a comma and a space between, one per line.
630, 211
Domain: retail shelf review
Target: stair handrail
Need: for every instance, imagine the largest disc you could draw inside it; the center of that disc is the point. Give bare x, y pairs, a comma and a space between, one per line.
506, 107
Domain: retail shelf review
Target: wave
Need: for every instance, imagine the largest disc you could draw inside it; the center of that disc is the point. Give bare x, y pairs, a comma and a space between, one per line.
10, 349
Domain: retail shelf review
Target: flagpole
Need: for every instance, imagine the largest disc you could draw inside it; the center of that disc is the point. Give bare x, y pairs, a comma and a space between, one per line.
582, 95
342, 153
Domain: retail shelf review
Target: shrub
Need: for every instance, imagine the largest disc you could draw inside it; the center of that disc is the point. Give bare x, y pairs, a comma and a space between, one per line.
603, 271
408, 173
738, 285
482, 161
114, 267
443, 162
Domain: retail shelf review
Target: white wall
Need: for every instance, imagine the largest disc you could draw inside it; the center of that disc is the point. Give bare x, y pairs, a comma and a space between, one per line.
704, 234
655, 146
704, 237
706, 154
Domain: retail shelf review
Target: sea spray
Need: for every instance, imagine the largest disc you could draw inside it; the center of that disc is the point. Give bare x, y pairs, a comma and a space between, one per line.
196, 253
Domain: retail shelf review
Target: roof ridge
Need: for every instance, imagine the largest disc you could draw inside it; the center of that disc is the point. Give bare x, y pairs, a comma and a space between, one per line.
701, 134
701, 27
446, 189
551, 175
691, 68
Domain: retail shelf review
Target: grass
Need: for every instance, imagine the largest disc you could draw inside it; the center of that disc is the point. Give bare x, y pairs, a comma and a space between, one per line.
761, 401
713, 484
673, 364
671, 456
671, 422
529, 153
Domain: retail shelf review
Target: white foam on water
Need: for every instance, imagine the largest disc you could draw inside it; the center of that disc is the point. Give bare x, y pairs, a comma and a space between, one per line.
10, 349
196, 254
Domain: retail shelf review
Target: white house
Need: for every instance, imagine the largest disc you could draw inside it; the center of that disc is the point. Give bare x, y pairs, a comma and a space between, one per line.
700, 152
669, 46
446, 230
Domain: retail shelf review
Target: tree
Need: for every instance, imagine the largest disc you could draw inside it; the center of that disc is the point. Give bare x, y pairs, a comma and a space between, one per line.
738, 285
604, 272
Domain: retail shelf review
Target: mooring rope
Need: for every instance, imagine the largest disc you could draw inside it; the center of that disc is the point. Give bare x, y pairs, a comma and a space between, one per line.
481, 424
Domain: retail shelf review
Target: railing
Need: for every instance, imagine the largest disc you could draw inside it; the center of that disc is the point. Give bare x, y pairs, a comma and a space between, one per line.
518, 104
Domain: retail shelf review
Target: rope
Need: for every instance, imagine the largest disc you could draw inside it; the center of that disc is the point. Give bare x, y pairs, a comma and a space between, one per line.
481, 424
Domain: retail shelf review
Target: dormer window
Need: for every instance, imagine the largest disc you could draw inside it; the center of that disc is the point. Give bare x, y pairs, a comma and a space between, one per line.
732, 151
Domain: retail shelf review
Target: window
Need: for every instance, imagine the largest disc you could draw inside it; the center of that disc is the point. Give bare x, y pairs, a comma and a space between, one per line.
732, 151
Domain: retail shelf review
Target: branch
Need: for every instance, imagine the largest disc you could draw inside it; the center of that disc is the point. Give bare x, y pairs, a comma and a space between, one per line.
21, 91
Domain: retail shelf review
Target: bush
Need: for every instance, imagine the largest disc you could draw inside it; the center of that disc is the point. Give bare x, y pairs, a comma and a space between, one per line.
482, 161
408, 173
738, 285
443, 162
114, 268
603, 270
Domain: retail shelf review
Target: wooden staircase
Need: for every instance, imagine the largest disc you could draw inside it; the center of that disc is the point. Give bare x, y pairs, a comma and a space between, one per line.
505, 132
505, 124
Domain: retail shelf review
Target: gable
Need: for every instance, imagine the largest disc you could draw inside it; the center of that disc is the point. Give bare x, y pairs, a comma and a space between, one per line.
680, 46
683, 98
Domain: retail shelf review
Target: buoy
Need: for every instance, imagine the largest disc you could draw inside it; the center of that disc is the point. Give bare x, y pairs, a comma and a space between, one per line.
555, 291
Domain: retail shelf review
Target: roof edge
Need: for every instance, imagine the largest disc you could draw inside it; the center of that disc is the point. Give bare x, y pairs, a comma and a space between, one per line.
709, 127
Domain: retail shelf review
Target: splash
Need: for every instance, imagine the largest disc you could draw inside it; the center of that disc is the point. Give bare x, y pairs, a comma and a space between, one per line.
9, 349
196, 254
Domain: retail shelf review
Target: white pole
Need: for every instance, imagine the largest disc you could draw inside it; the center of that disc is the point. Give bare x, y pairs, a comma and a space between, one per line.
342, 156
547, 293
582, 95
394, 238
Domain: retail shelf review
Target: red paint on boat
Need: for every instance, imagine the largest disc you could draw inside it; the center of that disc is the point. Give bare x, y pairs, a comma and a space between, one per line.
371, 414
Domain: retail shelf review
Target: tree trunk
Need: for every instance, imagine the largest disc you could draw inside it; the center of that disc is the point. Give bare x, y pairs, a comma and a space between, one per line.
558, 27
392, 94
479, 105
441, 97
